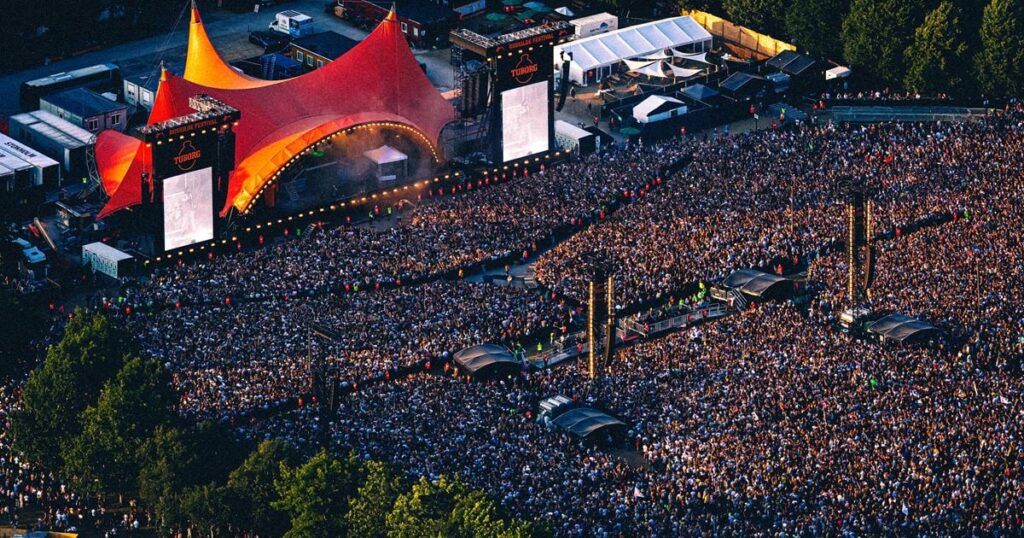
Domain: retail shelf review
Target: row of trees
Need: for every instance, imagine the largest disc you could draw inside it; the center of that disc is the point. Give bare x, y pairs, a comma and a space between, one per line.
959, 47
104, 418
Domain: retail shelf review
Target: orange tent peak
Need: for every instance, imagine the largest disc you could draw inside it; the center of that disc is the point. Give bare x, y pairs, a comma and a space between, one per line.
391, 14
203, 65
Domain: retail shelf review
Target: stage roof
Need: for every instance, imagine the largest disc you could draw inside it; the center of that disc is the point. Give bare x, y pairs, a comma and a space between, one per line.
902, 328
485, 356
379, 82
758, 283
585, 421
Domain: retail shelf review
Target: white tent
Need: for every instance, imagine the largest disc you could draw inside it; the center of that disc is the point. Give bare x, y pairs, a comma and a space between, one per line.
636, 65
683, 72
385, 154
660, 55
593, 57
653, 70
837, 72
701, 57
391, 164
657, 108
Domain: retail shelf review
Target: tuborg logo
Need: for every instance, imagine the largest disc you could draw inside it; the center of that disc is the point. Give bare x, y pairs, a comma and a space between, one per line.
187, 157
523, 71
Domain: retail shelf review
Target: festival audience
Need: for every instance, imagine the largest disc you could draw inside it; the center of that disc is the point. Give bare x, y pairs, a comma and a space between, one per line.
768, 422
755, 200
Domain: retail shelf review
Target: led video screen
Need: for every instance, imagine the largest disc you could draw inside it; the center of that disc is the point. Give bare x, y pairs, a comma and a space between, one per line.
524, 121
188, 209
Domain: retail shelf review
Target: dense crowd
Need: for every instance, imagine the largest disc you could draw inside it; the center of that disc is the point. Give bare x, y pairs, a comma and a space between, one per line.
760, 424
755, 200
963, 276
437, 235
768, 422
230, 359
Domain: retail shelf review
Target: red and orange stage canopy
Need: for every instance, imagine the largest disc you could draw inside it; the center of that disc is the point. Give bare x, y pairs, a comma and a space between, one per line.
377, 83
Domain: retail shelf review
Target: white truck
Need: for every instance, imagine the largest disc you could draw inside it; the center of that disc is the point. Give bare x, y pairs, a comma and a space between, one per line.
293, 23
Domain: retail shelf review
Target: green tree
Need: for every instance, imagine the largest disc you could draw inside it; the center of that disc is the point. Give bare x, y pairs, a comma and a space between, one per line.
476, 514
875, 35
252, 489
70, 379
815, 25
376, 497
316, 495
167, 460
104, 457
206, 508
765, 16
1000, 62
448, 508
935, 59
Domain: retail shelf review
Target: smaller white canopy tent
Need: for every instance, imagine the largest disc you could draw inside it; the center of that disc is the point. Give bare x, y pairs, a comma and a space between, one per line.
657, 69
837, 72
657, 108
391, 163
683, 72
700, 57
660, 55
385, 155
636, 65
652, 70
593, 57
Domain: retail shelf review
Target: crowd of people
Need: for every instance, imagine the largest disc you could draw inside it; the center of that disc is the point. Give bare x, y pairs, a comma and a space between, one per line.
231, 359
435, 235
755, 200
766, 422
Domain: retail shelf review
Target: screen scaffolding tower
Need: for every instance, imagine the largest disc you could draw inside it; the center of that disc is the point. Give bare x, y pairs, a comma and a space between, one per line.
859, 255
600, 321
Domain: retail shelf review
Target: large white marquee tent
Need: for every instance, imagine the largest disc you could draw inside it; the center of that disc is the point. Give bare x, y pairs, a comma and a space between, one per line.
594, 57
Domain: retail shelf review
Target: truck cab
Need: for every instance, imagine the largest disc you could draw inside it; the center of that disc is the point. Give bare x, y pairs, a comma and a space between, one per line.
293, 23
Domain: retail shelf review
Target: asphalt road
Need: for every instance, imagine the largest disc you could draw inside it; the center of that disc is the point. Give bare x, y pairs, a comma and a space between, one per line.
230, 34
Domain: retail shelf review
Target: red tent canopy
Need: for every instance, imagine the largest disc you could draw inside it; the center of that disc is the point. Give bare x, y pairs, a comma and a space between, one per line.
377, 83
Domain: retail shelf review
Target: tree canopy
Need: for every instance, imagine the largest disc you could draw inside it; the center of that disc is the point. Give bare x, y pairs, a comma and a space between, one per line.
875, 35
104, 457
1000, 63
936, 58
70, 379
316, 495
814, 25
